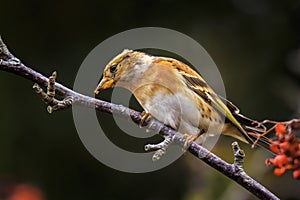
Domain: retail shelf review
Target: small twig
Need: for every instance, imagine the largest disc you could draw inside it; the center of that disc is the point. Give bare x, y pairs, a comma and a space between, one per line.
49, 97
239, 156
8, 62
160, 148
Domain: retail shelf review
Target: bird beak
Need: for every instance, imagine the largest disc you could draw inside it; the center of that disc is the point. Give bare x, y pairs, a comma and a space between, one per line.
104, 84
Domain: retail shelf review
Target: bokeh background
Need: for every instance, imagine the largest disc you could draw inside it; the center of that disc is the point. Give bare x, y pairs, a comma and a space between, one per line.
255, 44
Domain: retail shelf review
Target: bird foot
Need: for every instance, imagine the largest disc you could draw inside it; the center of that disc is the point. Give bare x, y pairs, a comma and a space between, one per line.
160, 148
145, 118
191, 138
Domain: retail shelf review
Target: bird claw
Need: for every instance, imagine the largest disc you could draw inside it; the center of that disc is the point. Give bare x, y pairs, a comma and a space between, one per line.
188, 139
145, 118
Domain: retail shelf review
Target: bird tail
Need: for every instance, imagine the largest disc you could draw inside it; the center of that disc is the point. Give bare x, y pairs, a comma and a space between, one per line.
255, 130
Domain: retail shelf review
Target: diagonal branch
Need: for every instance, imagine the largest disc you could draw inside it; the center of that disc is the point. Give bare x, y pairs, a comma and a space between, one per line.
9, 63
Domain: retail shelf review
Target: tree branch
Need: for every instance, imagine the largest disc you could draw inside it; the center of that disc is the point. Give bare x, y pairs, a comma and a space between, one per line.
9, 63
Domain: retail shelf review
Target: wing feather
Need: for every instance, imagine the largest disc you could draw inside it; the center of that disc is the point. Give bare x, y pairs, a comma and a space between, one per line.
197, 84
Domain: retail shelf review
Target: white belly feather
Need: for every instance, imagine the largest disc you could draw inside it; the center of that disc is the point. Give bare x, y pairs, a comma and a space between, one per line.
177, 111
182, 114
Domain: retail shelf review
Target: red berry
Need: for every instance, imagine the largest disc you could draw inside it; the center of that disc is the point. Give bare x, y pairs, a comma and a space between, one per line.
280, 160
268, 162
279, 171
284, 145
280, 129
274, 147
296, 174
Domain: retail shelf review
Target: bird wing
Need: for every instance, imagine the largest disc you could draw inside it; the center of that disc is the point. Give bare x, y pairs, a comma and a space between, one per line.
197, 84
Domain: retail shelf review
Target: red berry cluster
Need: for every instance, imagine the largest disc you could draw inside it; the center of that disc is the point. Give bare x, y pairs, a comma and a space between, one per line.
287, 149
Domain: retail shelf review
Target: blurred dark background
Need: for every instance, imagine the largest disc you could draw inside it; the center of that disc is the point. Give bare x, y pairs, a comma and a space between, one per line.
255, 44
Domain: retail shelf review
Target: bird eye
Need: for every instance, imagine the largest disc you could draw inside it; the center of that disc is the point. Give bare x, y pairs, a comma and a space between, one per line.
113, 68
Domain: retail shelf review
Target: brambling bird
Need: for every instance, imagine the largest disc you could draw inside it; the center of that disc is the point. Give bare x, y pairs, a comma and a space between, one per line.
178, 96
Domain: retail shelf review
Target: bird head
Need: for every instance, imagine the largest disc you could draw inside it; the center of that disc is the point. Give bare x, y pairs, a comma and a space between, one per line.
123, 69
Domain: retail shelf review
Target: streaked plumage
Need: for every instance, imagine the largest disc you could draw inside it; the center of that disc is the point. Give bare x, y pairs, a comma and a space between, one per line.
172, 92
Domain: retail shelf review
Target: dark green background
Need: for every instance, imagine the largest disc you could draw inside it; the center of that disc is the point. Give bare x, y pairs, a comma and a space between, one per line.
255, 44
